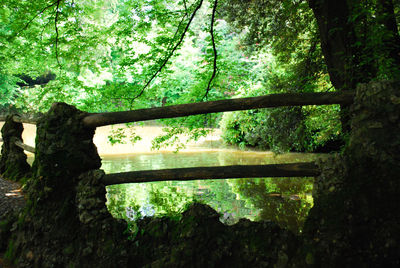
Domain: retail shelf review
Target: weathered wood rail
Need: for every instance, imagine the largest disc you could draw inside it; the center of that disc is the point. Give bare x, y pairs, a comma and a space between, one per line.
24, 146
198, 173
267, 101
307, 169
21, 119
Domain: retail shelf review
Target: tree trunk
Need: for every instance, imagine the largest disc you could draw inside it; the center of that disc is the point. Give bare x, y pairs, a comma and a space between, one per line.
337, 36
344, 34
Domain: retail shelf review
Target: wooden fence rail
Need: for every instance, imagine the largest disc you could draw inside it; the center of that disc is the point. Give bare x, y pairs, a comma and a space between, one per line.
267, 101
305, 169
21, 119
24, 146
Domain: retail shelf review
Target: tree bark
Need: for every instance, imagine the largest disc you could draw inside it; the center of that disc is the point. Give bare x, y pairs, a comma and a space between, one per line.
211, 173
344, 36
337, 37
273, 100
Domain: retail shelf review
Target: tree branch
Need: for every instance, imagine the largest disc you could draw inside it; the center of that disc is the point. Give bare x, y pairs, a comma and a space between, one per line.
56, 27
34, 17
214, 49
44, 28
177, 30
170, 54
185, 5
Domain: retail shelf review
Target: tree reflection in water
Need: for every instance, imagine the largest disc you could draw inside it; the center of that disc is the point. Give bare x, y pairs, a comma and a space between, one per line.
285, 201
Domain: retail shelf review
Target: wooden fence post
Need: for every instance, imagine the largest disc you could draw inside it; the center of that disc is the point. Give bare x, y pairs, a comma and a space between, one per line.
13, 163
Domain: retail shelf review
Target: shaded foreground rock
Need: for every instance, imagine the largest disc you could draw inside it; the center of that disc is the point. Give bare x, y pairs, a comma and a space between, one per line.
199, 239
13, 164
355, 220
54, 229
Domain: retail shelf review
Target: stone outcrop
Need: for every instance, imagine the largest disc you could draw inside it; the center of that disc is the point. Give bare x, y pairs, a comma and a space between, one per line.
57, 227
13, 165
199, 239
355, 220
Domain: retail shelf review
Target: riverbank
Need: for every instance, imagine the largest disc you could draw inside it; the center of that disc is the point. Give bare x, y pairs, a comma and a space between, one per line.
146, 134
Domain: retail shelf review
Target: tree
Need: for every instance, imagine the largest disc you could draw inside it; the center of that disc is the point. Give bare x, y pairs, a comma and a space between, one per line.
359, 39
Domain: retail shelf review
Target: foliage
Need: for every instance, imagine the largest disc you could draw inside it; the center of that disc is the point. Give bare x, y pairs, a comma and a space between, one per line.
8, 91
116, 55
360, 44
284, 200
118, 135
99, 74
284, 129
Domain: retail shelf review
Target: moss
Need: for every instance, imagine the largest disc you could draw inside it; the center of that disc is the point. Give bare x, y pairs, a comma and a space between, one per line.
69, 250
13, 164
10, 254
357, 193
200, 238
5, 225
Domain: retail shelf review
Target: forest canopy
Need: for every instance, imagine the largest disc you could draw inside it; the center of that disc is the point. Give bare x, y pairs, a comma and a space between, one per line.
108, 55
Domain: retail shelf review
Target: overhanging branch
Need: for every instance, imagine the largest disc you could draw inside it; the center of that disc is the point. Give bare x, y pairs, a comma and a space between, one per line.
171, 53
34, 17
214, 49
56, 28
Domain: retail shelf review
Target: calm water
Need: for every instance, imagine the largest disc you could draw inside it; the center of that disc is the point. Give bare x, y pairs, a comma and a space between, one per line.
283, 200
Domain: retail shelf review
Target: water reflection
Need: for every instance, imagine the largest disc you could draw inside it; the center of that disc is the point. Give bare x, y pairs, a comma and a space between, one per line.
283, 200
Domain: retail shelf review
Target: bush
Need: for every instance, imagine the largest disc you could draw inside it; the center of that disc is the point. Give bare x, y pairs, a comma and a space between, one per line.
282, 129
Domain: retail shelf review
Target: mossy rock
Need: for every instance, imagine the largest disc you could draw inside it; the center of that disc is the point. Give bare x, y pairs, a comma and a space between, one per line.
13, 164
357, 195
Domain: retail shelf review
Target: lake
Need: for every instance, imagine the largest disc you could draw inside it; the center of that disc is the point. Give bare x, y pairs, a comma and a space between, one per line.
283, 200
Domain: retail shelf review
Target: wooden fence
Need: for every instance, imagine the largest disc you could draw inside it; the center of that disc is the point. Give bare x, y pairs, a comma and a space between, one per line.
197, 173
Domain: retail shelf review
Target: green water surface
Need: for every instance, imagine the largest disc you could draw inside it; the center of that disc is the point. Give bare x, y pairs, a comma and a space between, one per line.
285, 201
